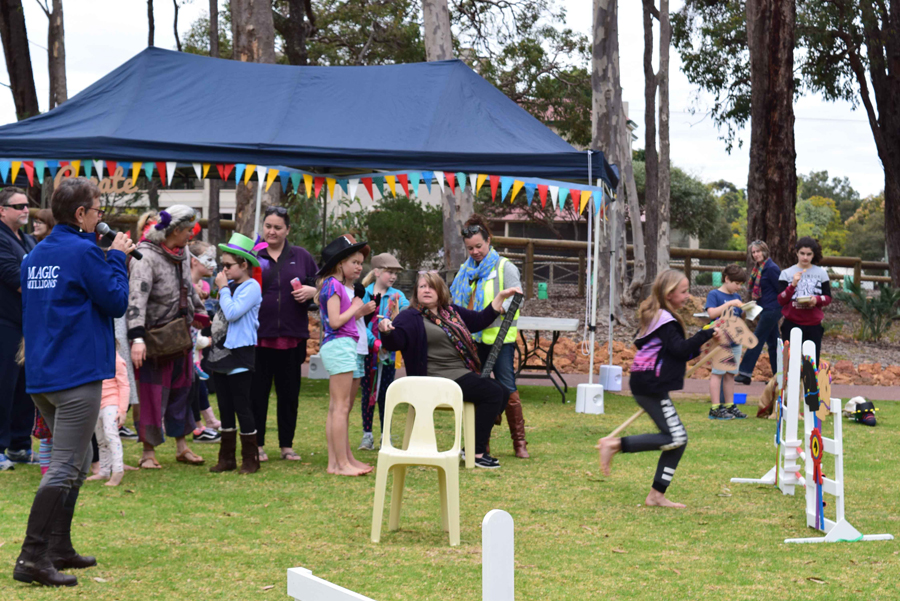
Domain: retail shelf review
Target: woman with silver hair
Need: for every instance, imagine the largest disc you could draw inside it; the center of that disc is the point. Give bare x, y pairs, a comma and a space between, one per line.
162, 305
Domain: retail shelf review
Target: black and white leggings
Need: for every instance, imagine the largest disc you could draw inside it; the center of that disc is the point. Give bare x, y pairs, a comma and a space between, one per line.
671, 440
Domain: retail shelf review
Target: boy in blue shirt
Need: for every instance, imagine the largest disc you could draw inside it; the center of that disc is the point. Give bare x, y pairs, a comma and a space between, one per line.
721, 383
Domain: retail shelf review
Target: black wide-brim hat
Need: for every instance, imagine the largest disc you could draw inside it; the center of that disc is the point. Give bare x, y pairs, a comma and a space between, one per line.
339, 249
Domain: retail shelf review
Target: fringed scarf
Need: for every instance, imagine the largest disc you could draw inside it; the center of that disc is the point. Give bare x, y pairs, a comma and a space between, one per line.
470, 273
755, 277
450, 321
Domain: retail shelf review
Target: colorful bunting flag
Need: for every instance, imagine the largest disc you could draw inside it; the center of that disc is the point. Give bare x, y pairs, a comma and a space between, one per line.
563, 194
161, 170
295, 182
29, 171
495, 179
98, 167
126, 168
88, 165
461, 180
379, 183
205, 170
16, 166
505, 184
170, 171
367, 182
542, 194
414, 178
404, 183
354, 184
319, 181
285, 177
427, 176
577, 201
308, 184
198, 170
239, 169
517, 185
480, 182
270, 178
473, 179
76, 165
329, 183
451, 181
598, 201
4, 170
261, 175
343, 183
529, 192
39, 167
111, 167
148, 171
440, 178
248, 173
392, 183
554, 193
53, 167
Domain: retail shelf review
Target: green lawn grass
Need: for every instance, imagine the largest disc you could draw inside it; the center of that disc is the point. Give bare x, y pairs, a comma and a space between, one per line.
183, 533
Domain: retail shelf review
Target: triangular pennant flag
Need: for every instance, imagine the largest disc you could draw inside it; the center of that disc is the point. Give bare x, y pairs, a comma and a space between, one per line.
76, 166
505, 184
379, 183
598, 200
39, 167
205, 170
580, 198
529, 192
295, 181
329, 183
170, 171
161, 171
427, 176
414, 178
554, 193
16, 165
308, 184
148, 171
473, 179
563, 194
367, 182
88, 166
248, 173
228, 169
354, 184
53, 167
451, 181
495, 179
517, 185
261, 175
98, 167
126, 168
392, 183
29, 172
239, 171
285, 177
461, 180
343, 183
273, 173
542, 194
198, 170
318, 181
4, 170
404, 183
479, 182
63, 164
440, 178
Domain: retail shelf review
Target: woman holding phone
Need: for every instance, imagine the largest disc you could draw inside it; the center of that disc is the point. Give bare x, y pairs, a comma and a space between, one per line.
288, 286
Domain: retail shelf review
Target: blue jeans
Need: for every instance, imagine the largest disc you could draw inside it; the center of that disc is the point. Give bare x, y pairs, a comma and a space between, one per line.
767, 333
504, 369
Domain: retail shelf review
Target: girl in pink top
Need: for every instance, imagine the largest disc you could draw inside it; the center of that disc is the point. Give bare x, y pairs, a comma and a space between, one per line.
113, 407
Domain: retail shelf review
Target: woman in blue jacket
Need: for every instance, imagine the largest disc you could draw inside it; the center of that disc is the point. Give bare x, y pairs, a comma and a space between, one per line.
70, 294
763, 288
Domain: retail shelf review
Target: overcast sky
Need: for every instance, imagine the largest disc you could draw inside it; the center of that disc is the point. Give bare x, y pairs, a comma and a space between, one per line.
102, 34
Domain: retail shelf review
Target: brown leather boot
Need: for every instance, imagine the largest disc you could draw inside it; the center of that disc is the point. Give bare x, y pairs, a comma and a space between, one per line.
227, 447
249, 454
516, 425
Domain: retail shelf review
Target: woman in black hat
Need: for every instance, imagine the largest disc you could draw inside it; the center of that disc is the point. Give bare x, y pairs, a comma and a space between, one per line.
345, 346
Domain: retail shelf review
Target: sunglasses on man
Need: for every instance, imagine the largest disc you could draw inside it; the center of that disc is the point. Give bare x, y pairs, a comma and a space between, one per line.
17, 207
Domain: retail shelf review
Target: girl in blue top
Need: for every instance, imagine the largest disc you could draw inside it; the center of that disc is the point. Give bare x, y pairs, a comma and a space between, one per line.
233, 353
380, 366
721, 383
764, 290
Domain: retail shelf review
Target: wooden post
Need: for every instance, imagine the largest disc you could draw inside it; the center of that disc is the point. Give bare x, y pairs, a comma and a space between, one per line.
857, 273
687, 270
498, 565
529, 270
582, 268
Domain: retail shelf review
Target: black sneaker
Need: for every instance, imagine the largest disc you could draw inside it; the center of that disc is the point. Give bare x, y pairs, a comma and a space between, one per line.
208, 436
737, 413
487, 462
742, 379
127, 433
720, 412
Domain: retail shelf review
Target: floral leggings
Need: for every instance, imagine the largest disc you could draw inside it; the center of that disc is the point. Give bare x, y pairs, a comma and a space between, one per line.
107, 432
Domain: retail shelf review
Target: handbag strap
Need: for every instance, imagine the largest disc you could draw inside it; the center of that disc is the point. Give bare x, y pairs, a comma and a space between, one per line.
182, 295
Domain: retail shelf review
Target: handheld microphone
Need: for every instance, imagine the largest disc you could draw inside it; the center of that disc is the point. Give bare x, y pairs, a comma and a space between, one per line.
110, 235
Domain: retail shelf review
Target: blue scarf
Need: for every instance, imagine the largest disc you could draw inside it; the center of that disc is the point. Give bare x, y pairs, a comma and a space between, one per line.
470, 273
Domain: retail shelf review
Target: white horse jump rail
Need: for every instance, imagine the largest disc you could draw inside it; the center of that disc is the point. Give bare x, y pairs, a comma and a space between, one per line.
497, 560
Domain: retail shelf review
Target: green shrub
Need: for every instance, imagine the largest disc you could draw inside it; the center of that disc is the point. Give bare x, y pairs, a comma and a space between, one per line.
877, 313
703, 278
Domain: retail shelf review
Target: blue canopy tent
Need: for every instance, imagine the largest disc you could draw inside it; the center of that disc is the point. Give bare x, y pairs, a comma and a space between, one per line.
172, 106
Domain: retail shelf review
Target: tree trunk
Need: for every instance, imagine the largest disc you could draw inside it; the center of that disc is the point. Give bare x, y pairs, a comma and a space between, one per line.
892, 215
295, 29
439, 47
662, 234
56, 56
214, 229
153, 194
772, 180
214, 28
18, 58
151, 25
639, 276
606, 119
175, 26
651, 157
253, 38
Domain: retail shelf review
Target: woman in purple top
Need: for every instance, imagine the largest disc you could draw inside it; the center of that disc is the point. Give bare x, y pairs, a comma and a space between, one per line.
435, 339
288, 286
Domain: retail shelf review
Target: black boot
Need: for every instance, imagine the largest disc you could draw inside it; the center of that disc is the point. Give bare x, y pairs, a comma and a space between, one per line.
33, 564
60, 551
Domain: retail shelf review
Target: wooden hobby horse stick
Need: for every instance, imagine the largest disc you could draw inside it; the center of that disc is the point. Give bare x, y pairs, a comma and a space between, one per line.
625, 424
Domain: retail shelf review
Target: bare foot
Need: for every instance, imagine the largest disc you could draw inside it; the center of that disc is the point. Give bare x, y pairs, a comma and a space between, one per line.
608, 448
348, 470
96, 477
115, 479
129, 468
657, 499
359, 464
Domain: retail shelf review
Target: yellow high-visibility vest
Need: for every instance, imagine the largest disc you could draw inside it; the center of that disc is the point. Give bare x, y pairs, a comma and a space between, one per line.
491, 287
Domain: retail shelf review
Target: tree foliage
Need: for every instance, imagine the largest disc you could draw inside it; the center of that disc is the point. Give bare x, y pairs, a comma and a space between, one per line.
839, 190
406, 228
865, 230
730, 232
694, 209
819, 217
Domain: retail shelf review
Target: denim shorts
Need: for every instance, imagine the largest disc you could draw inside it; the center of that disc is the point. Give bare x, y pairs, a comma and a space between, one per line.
339, 356
736, 350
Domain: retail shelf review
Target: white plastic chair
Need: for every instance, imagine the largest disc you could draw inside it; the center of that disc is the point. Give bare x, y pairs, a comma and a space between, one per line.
424, 395
468, 430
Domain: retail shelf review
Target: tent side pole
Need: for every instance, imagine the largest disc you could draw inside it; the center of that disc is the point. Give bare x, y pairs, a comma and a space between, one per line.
259, 188
612, 280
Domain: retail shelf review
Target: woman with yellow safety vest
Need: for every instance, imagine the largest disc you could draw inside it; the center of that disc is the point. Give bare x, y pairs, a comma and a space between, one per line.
480, 278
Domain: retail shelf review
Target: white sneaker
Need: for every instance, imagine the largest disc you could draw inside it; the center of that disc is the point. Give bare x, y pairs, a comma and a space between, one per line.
368, 442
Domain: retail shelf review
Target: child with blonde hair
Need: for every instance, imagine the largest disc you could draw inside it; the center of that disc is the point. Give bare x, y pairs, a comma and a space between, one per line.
345, 345
658, 369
